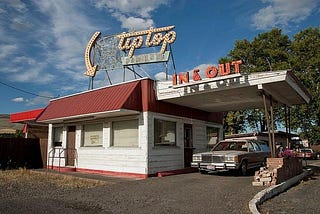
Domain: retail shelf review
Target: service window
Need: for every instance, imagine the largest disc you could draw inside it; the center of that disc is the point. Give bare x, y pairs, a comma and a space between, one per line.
57, 136
164, 133
92, 135
125, 133
212, 136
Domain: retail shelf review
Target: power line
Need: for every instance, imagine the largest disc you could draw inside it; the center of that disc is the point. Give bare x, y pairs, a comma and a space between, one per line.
28, 92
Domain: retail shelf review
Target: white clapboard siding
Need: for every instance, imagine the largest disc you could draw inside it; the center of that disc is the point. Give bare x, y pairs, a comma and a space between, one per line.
130, 160
200, 138
144, 159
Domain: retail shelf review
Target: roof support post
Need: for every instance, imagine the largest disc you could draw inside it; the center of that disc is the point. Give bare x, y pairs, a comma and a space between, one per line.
289, 122
272, 126
286, 124
268, 116
266, 113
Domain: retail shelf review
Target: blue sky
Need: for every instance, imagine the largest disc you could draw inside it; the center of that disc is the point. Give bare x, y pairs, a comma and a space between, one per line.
42, 42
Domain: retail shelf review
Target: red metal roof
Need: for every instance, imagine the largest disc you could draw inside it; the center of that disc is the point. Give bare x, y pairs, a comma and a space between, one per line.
122, 96
25, 116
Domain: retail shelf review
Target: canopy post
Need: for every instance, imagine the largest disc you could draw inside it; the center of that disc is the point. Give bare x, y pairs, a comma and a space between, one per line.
286, 124
272, 127
289, 121
266, 113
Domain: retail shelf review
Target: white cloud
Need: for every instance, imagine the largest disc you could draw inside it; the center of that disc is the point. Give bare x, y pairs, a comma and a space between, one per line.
133, 14
34, 74
162, 76
6, 50
55, 34
143, 8
202, 69
2, 11
18, 5
69, 38
45, 40
18, 100
280, 13
136, 24
43, 99
24, 59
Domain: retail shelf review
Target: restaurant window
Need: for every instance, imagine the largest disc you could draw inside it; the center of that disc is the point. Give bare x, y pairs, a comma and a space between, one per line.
125, 133
92, 135
164, 133
212, 136
57, 136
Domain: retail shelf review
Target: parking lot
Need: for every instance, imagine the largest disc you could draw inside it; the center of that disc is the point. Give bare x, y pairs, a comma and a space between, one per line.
302, 198
185, 193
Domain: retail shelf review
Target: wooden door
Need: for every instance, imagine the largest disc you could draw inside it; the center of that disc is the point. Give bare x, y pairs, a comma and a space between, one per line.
44, 151
71, 142
188, 145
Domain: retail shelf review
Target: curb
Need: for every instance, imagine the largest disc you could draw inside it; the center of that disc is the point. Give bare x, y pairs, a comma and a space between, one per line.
275, 190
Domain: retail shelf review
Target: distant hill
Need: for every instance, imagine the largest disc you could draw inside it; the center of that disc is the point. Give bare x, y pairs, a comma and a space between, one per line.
6, 126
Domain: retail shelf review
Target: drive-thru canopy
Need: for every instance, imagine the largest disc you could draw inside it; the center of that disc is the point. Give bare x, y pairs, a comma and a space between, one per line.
236, 91
239, 91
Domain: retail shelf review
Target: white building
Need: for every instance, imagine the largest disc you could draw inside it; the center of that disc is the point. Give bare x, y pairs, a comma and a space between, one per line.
123, 129
141, 128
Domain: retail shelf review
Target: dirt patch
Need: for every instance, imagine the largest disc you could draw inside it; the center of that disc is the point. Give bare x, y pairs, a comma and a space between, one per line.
42, 178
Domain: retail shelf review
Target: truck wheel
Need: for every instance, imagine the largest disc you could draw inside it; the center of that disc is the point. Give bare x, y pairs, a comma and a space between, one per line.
264, 164
243, 170
203, 171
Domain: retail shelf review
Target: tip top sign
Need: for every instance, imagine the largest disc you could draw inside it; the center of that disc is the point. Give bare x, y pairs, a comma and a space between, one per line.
154, 37
131, 41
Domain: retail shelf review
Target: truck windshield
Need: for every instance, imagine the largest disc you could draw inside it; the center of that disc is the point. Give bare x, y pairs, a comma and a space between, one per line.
237, 146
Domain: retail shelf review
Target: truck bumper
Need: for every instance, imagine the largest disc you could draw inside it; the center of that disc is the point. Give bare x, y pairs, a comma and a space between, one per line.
215, 166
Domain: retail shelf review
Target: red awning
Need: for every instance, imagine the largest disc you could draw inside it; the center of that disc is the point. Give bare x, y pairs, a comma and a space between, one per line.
125, 96
25, 116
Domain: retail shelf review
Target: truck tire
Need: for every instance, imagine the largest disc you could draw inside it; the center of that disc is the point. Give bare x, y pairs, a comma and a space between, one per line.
203, 171
243, 170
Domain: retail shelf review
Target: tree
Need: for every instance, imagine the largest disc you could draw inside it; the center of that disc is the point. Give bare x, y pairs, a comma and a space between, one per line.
268, 51
305, 61
275, 51
234, 122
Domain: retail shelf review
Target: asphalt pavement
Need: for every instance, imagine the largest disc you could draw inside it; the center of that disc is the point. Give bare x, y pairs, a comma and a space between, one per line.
185, 193
301, 198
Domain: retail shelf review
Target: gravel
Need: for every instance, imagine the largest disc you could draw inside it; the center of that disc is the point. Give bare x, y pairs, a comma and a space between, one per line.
187, 193
302, 198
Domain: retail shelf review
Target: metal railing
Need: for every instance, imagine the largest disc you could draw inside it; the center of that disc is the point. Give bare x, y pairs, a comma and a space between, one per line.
61, 154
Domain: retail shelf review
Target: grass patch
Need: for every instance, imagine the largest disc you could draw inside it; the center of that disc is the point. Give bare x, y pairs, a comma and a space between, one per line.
59, 180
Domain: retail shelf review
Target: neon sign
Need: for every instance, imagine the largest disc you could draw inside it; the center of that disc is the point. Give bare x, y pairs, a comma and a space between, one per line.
91, 70
111, 52
154, 37
211, 72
